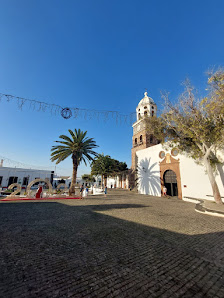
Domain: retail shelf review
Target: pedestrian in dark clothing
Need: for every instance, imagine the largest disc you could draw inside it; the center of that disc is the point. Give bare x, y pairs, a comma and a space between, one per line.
105, 191
81, 190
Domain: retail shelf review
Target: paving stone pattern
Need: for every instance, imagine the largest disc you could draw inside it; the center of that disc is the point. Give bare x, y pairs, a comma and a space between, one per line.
125, 245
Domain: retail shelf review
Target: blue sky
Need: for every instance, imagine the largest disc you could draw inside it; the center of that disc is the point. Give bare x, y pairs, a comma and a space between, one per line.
97, 54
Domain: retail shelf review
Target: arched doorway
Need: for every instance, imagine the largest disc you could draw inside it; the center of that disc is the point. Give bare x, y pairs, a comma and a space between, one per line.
170, 182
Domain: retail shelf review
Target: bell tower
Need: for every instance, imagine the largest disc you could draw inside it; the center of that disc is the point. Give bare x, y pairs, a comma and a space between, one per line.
141, 137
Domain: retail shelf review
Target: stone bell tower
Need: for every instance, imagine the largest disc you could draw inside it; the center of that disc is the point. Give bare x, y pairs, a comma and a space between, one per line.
141, 137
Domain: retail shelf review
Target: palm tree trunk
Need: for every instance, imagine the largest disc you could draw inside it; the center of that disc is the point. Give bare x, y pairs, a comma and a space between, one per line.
74, 175
214, 185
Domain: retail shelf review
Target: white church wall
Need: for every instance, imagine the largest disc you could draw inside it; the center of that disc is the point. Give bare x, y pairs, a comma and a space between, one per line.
194, 180
149, 171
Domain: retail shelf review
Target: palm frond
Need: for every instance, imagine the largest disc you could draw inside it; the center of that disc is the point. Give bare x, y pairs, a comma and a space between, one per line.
78, 145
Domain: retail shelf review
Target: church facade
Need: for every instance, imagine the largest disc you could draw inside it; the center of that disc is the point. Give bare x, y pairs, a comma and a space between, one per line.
154, 167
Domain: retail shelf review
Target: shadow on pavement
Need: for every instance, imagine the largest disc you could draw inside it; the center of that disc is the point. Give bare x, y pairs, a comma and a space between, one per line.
55, 250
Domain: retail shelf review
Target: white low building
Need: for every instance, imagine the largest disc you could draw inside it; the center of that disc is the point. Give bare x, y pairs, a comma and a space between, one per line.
119, 181
22, 176
79, 181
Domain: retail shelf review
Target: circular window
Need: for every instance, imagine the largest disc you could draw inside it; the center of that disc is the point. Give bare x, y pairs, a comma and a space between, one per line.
162, 154
174, 152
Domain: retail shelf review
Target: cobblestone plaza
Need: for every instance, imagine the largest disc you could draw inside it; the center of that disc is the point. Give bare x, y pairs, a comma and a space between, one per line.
125, 245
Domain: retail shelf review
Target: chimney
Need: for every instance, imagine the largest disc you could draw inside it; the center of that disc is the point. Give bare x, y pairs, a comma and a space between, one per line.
1, 163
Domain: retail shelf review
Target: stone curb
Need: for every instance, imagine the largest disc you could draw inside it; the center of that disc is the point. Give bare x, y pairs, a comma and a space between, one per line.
199, 207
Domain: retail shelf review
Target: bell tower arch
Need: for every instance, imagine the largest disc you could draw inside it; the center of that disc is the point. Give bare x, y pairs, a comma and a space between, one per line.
141, 137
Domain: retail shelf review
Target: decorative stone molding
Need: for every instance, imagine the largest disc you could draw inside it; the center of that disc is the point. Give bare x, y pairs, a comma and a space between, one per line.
170, 163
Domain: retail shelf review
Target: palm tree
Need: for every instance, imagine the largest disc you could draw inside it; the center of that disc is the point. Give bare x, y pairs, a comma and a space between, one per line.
79, 147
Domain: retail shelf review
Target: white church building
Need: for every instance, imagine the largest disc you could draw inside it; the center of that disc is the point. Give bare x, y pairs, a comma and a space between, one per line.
156, 167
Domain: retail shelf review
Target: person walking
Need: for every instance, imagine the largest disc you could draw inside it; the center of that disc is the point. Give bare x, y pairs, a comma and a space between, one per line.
86, 191
105, 191
81, 190
164, 190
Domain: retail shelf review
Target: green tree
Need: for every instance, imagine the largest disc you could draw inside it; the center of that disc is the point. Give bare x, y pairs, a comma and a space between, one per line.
195, 126
122, 166
85, 177
88, 178
106, 166
79, 147
102, 165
